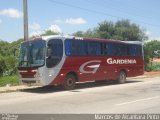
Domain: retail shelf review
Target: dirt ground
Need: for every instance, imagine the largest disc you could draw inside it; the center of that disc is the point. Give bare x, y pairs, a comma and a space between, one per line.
152, 73
156, 60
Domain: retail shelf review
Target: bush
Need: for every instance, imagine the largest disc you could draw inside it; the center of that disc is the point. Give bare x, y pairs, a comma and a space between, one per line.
156, 67
8, 65
2, 65
11, 65
11, 80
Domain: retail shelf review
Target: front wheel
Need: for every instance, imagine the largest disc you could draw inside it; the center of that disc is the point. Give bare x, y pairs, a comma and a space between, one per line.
70, 82
122, 77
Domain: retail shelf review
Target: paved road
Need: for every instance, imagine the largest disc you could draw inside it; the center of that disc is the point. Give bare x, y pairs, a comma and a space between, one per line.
136, 96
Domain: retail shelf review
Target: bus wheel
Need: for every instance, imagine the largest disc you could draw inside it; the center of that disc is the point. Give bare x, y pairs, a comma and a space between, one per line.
122, 77
70, 82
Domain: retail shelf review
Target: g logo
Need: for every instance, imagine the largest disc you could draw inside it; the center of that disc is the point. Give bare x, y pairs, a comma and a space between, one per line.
94, 66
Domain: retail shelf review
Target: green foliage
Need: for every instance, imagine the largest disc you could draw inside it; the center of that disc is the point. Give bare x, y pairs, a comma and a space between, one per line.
8, 62
149, 53
156, 66
89, 33
2, 65
49, 32
120, 30
4, 48
11, 65
11, 80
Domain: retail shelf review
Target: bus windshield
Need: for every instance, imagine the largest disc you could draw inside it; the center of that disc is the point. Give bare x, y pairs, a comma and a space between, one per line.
32, 54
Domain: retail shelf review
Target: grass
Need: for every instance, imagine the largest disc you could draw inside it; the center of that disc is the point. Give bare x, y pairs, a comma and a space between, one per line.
11, 80
156, 66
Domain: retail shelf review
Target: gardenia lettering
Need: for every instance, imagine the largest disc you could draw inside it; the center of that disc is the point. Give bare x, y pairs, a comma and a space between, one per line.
121, 61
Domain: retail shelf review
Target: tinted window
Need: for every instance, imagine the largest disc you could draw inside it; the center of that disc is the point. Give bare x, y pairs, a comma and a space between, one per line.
56, 47
82, 47
135, 50
94, 48
116, 49
105, 49
75, 47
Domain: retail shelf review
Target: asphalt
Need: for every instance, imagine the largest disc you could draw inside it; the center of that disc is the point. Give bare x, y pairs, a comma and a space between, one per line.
140, 95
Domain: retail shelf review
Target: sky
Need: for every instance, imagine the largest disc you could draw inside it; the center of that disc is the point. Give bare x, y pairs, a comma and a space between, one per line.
69, 16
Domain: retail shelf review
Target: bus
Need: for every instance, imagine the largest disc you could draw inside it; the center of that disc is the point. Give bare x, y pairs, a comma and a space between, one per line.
66, 60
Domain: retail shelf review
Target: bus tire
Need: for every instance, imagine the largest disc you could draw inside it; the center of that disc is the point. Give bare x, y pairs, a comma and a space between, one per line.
70, 82
122, 77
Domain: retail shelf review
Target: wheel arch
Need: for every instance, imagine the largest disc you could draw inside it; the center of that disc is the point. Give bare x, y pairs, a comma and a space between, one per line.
123, 70
74, 74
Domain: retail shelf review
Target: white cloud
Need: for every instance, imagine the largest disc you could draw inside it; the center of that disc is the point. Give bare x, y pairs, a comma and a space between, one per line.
37, 33
35, 26
75, 21
11, 12
55, 28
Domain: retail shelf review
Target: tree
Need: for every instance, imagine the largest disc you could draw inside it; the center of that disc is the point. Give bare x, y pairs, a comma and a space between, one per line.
89, 33
8, 62
11, 65
4, 48
49, 32
2, 65
106, 30
149, 50
120, 30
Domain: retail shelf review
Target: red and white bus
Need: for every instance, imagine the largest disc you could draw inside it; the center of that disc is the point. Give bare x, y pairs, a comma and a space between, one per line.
58, 60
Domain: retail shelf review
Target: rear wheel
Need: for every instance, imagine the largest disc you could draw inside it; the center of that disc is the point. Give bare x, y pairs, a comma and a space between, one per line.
122, 77
70, 82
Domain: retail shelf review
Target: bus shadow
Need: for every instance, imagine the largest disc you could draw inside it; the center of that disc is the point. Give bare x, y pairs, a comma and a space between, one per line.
79, 86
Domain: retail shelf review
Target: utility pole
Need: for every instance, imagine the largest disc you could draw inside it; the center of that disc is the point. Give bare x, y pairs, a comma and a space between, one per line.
25, 12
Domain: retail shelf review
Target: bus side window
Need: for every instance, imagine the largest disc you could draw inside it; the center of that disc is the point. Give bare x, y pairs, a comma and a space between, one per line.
139, 50
132, 49
68, 47
110, 49
98, 49
135, 50
105, 49
123, 49
116, 49
84, 48
56, 47
75, 47
94, 48
127, 50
